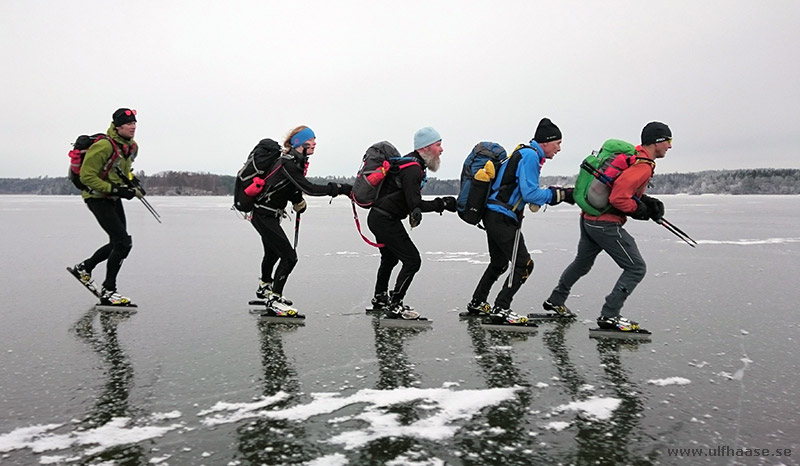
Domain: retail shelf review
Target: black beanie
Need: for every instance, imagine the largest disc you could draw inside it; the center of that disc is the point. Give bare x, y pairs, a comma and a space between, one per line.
122, 116
547, 131
654, 132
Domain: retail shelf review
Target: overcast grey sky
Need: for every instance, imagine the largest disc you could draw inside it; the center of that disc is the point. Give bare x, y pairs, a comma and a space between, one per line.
211, 78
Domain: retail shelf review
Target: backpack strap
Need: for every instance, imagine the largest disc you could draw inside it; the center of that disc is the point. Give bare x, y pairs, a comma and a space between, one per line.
358, 226
114, 156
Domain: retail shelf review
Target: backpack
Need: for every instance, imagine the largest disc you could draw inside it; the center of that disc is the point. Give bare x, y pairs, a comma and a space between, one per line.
78, 154
380, 159
597, 175
262, 159
474, 193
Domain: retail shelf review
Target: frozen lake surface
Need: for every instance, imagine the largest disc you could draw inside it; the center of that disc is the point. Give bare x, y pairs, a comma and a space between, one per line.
194, 378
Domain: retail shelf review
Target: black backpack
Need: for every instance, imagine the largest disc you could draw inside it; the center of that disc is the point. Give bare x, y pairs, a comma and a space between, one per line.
78, 154
262, 163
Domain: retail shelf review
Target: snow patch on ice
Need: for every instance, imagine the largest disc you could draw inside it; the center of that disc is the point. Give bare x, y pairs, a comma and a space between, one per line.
594, 406
444, 407
116, 432
162, 416
669, 381
752, 242
336, 459
557, 425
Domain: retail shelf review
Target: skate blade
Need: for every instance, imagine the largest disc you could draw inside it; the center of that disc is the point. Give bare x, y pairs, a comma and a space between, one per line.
549, 316
131, 308
465, 315
282, 320
510, 328
640, 334
403, 323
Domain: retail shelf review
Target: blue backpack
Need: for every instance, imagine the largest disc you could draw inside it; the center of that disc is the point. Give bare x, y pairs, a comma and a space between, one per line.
474, 192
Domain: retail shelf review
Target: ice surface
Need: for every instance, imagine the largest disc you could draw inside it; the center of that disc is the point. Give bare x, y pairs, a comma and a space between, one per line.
194, 378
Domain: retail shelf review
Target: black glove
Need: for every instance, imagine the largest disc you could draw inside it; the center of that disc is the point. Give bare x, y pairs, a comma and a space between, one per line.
561, 195
136, 182
333, 189
655, 207
641, 212
345, 189
123, 191
415, 218
568, 196
439, 207
449, 203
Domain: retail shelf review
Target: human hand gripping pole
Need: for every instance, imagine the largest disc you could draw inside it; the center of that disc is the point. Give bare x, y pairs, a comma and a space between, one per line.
661, 220
133, 184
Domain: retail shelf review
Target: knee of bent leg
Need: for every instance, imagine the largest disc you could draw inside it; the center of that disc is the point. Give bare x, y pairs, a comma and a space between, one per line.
291, 259
639, 270
123, 245
527, 269
414, 264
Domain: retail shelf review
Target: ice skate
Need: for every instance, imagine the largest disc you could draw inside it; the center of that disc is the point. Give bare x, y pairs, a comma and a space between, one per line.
558, 311
477, 309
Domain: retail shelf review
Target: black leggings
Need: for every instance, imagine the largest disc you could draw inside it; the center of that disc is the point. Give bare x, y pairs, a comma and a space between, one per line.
276, 248
398, 247
111, 217
501, 235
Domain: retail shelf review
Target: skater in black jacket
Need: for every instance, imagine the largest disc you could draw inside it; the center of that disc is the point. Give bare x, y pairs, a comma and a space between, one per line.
401, 196
287, 184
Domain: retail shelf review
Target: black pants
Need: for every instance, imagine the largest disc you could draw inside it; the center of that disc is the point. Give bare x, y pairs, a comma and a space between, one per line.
398, 247
501, 234
277, 248
111, 217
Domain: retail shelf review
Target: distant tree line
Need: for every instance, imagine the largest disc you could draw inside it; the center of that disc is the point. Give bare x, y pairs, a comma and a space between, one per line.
172, 183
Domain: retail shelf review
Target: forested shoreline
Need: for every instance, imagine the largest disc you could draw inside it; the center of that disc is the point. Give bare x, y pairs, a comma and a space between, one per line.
173, 183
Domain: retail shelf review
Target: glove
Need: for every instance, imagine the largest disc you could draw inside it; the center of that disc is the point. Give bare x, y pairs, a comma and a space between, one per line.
486, 173
333, 189
641, 212
300, 207
561, 195
569, 197
415, 218
345, 189
449, 203
439, 205
654, 206
123, 191
255, 187
138, 183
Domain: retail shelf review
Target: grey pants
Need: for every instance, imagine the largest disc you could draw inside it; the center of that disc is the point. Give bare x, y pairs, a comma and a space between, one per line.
610, 237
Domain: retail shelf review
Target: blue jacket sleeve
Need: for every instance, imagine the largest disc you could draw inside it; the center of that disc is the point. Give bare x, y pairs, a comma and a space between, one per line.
528, 176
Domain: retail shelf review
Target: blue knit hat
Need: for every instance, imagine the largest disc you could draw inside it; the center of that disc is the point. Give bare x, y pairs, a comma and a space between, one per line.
425, 137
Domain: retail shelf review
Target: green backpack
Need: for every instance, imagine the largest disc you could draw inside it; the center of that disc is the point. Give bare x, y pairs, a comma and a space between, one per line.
597, 175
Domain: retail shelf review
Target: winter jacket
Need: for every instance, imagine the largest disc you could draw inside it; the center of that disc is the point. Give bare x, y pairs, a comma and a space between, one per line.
401, 191
517, 183
631, 182
97, 157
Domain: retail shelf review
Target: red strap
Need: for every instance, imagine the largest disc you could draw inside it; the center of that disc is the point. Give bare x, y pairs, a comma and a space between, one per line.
358, 225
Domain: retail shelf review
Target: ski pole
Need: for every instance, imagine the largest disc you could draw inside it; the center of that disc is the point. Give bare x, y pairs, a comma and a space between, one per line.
296, 229
131, 184
515, 250
676, 231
